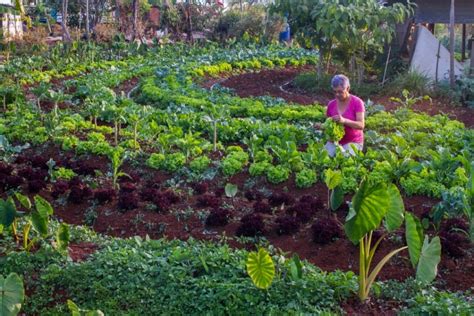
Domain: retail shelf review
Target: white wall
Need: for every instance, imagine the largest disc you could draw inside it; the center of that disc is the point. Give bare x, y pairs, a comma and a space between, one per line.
12, 26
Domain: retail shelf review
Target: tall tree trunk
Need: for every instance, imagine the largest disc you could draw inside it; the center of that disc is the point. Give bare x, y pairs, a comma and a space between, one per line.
451, 45
190, 26
87, 20
118, 15
66, 35
135, 9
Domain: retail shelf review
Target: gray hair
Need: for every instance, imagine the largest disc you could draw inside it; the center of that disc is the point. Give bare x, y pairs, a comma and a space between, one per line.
340, 80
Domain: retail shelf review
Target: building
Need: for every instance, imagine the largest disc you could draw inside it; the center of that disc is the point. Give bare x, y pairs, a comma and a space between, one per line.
11, 25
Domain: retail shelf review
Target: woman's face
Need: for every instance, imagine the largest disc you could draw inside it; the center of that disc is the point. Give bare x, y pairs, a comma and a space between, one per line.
341, 93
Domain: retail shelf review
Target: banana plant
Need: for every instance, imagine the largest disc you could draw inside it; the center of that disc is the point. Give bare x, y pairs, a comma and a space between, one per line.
372, 204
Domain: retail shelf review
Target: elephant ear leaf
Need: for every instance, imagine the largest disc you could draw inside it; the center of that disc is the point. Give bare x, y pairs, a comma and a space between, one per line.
12, 294
7, 212
395, 214
261, 269
414, 237
370, 204
429, 259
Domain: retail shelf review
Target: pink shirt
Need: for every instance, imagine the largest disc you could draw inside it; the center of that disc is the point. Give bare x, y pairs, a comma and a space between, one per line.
356, 105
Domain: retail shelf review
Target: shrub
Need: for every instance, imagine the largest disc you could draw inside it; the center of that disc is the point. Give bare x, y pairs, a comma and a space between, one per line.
277, 199
287, 225
258, 168
104, 195
79, 193
59, 188
200, 187
200, 164
262, 207
218, 217
13, 181
277, 174
208, 200
34, 186
325, 230
305, 178
128, 187
128, 201
5, 169
149, 194
251, 225
253, 195
39, 162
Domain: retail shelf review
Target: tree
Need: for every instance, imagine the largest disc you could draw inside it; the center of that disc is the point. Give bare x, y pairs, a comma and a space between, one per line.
66, 35
356, 27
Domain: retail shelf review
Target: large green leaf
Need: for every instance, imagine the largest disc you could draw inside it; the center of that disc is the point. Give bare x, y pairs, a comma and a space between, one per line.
230, 190
429, 259
261, 269
40, 223
7, 212
414, 237
396, 210
336, 198
43, 207
370, 204
332, 178
12, 294
63, 236
24, 200
296, 268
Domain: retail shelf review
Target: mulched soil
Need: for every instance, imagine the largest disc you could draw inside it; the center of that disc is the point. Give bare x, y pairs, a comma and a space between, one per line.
278, 83
178, 221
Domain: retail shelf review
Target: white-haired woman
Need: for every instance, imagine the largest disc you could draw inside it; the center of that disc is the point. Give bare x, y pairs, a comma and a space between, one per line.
348, 110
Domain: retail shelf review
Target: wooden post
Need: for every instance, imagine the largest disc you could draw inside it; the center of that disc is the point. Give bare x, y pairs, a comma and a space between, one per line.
451, 45
463, 48
471, 70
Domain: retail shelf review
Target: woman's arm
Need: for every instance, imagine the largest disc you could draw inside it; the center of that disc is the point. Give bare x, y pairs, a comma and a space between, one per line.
359, 123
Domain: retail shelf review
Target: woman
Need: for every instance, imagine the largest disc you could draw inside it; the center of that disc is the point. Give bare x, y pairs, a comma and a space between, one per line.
348, 110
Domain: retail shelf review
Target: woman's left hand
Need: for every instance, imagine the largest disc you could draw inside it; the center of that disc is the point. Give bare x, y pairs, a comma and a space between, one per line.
338, 118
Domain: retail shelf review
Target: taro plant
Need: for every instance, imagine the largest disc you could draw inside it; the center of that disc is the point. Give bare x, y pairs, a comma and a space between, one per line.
372, 204
12, 294
37, 219
76, 311
333, 180
261, 268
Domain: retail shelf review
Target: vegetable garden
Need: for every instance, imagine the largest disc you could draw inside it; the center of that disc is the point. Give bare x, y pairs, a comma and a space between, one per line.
131, 185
